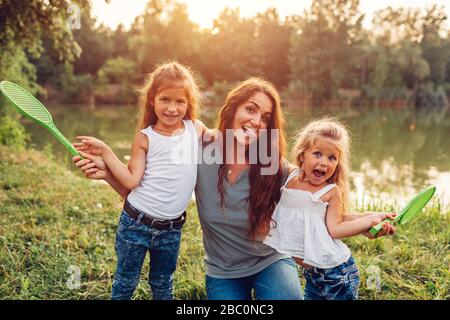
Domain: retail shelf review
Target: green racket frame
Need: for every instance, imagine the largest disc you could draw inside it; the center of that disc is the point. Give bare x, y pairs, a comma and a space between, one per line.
32, 108
410, 210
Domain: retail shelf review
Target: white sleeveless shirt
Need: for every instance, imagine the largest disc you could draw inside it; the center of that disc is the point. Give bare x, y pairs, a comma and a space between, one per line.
298, 228
170, 173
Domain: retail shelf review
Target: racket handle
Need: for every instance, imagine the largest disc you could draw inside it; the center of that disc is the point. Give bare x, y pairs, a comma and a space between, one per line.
375, 229
73, 151
66, 143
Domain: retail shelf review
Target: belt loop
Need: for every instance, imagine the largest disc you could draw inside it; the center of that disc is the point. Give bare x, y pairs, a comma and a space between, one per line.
138, 221
171, 225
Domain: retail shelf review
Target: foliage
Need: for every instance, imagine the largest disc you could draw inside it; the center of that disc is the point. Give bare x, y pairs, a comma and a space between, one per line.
314, 55
18, 45
17, 18
429, 96
117, 70
325, 38
12, 133
75, 87
96, 43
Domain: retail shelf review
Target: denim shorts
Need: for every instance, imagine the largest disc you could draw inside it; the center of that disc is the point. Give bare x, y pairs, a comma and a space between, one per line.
338, 283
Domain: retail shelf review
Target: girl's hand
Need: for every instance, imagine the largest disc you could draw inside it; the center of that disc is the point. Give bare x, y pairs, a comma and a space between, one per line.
380, 216
91, 145
388, 229
92, 167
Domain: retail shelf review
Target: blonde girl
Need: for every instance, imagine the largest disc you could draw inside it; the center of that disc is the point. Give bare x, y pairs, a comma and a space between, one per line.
308, 221
161, 175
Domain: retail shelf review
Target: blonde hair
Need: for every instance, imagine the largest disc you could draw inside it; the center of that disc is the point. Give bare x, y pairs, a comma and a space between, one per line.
167, 75
337, 134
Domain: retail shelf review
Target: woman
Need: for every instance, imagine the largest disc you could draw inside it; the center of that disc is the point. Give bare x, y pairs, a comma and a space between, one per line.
236, 198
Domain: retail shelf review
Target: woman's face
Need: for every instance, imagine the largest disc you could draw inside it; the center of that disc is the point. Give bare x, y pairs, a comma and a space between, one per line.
252, 116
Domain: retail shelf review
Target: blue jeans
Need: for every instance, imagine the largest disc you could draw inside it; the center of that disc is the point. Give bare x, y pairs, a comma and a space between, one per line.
133, 240
338, 283
279, 281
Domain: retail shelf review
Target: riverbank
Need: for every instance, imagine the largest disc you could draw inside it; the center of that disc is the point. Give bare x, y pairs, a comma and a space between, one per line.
54, 222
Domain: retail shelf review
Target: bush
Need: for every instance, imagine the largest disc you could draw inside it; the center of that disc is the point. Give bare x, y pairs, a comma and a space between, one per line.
12, 133
115, 81
429, 96
117, 71
215, 96
75, 87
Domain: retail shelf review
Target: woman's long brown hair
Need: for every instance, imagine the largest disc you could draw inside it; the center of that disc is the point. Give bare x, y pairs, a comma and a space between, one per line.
264, 189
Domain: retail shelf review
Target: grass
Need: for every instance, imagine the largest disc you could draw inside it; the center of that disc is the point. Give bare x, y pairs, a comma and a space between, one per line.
52, 219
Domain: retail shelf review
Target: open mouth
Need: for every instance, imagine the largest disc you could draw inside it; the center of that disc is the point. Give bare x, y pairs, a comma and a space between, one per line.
318, 173
250, 132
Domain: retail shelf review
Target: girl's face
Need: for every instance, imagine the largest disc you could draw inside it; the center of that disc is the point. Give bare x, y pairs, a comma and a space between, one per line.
250, 117
319, 161
171, 105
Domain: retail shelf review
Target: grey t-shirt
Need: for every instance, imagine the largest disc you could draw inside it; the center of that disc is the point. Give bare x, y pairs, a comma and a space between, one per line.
230, 253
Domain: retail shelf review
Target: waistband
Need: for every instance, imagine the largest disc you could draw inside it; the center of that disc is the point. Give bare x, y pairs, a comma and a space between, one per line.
153, 222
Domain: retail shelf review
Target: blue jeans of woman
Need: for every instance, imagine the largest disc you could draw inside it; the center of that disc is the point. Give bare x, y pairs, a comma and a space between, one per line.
338, 283
133, 240
278, 281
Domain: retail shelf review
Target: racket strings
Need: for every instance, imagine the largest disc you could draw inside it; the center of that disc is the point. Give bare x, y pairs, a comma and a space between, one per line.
27, 102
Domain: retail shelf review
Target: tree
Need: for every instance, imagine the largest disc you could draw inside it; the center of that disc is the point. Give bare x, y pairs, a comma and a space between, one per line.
412, 39
232, 49
164, 32
96, 45
23, 25
321, 45
272, 41
44, 18
433, 45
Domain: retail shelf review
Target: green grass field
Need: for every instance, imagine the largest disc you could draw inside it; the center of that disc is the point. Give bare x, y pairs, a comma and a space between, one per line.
52, 219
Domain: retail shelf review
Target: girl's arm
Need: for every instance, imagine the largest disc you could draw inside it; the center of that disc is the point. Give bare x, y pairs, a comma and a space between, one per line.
116, 185
388, 229
339, 228
129, 177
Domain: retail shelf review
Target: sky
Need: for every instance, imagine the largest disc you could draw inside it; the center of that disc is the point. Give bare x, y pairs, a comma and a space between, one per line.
203, 12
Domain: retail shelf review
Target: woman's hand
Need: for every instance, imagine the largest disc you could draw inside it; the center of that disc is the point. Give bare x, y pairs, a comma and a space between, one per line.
92, 166
210, 135
91, 145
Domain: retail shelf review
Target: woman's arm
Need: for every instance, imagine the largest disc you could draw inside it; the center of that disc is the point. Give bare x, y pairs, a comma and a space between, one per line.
340, 228
207, 135
95, 168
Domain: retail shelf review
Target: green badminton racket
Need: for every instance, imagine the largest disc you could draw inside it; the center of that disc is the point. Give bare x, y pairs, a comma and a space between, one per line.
29, 106
410, 211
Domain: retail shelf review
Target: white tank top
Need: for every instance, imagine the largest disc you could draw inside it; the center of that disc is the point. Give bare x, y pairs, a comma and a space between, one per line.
298, 228
170, 173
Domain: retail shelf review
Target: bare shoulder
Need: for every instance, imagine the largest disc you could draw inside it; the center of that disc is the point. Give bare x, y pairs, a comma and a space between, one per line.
290, 167
199, 126
141, 141
335, 193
